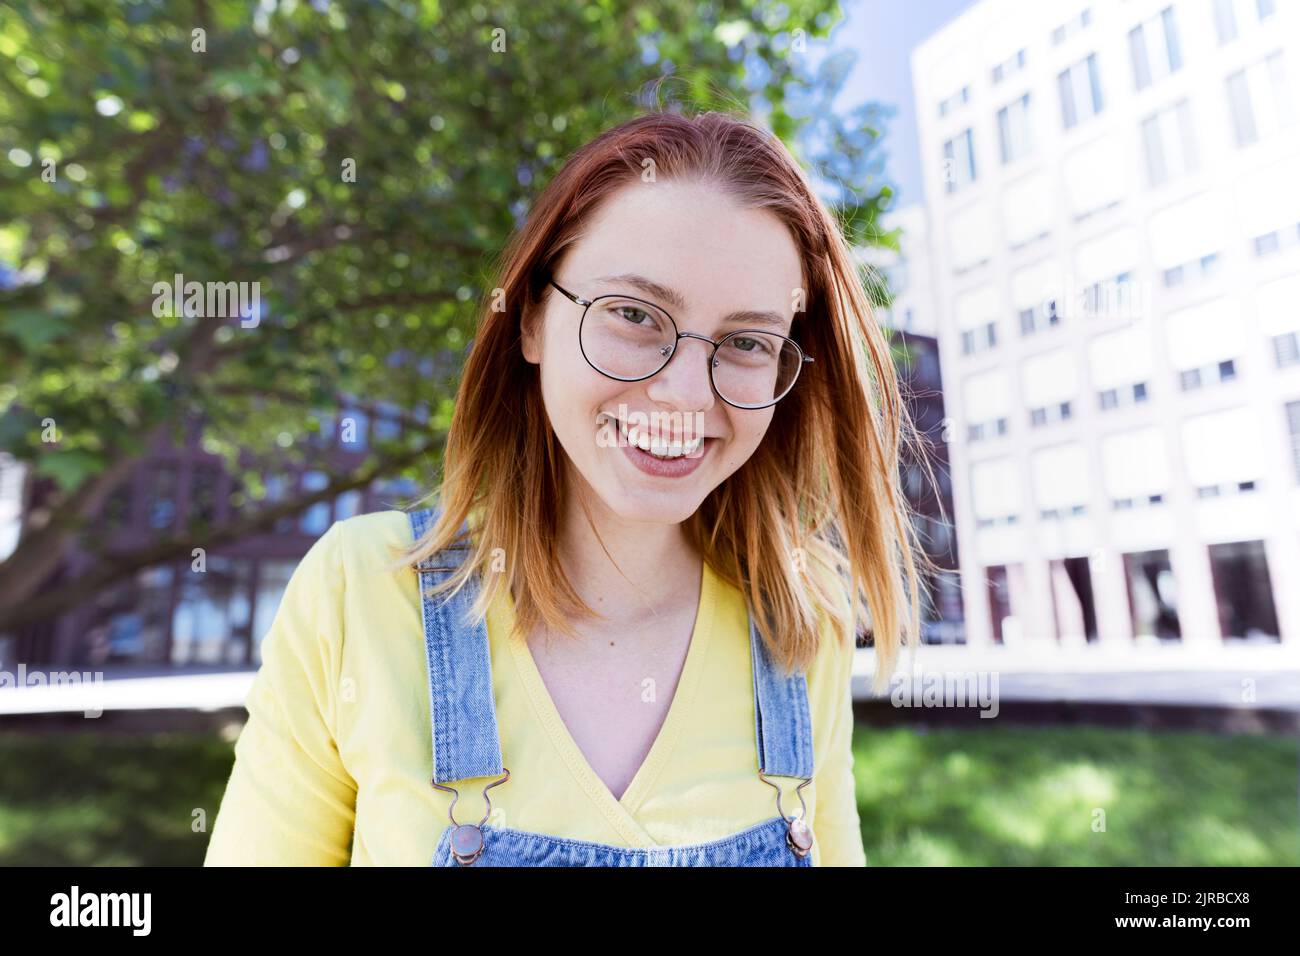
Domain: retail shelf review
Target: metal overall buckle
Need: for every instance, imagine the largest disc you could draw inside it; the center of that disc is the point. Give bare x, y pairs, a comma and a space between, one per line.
467, 838
798, 837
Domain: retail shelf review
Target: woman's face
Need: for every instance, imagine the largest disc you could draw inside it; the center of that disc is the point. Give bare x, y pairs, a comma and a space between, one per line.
719, 258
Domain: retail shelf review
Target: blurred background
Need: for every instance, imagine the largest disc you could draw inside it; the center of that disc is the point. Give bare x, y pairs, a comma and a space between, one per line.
1080, 223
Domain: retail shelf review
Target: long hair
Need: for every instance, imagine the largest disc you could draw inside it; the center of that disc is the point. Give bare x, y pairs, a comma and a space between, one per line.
813, 523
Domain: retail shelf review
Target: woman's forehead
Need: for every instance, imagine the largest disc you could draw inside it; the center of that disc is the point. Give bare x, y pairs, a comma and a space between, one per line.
703, 254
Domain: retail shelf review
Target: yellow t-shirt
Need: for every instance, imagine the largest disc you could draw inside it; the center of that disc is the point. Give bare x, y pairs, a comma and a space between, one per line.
335, 761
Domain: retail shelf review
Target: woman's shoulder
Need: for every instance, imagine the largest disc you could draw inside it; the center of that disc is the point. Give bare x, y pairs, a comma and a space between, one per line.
368, 545
375, 527
371, 544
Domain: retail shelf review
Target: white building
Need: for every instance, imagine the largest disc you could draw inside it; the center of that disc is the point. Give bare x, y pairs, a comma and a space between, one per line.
1113, 197
908, 272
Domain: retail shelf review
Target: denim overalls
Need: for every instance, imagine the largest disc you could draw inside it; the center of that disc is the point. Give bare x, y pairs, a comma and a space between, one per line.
466, 745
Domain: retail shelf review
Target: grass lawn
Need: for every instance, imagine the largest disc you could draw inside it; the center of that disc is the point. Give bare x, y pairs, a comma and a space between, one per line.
1076, 797
1006, 796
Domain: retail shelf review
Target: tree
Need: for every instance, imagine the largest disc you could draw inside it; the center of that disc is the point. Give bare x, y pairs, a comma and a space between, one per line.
361, 163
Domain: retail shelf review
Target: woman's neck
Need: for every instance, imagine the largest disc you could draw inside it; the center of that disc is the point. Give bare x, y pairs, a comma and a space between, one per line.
650, 566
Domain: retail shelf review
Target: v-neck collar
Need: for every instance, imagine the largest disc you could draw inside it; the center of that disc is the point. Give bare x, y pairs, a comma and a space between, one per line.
621, 811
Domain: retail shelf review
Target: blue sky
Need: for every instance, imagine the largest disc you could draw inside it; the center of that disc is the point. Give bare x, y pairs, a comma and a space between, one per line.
883, 34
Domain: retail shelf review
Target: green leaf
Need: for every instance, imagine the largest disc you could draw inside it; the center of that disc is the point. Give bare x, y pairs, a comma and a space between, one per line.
69, 468
32, 328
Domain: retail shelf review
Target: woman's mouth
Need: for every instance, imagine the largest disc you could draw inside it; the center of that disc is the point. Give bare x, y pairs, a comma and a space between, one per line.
657, 456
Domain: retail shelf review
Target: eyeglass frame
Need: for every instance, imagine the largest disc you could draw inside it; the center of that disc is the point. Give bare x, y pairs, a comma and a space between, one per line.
716, 343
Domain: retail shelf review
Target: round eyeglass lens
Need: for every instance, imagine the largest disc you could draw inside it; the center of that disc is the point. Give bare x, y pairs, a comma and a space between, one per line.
755, 368
626, 338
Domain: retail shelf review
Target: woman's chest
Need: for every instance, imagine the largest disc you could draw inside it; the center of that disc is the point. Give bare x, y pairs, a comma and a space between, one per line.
702, 785
612, 698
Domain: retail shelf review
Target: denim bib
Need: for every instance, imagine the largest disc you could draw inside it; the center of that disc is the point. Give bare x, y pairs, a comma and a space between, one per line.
466, 745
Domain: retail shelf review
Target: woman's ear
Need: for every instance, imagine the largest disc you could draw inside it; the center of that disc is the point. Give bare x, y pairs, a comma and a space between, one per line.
530, 336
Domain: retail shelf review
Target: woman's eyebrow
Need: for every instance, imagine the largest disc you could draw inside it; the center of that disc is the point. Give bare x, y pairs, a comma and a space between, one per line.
662, 293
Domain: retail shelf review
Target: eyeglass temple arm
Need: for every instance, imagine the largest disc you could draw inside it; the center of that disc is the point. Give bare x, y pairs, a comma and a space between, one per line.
577, 299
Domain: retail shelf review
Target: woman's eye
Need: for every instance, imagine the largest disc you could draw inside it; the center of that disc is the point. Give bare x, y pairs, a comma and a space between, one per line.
633, 318
749, 345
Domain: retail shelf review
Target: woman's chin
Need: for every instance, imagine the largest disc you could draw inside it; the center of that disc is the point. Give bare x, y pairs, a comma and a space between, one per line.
655, 506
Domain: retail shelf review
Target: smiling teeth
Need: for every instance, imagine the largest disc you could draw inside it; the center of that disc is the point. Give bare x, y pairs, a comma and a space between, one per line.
637, 437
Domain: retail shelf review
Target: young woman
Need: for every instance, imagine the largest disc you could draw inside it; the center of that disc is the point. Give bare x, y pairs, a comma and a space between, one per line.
624, 633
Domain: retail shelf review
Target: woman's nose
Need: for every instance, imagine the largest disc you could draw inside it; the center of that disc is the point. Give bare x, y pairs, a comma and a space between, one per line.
685, 382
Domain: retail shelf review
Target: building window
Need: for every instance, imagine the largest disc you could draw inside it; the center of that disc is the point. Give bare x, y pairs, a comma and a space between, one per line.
1225, 21
1046, 414
1259, 100
1154, 50
278, 489
1111, 297
205, 481
1226, 489
1013, 64
1190, 379
1226, 16
1267, 244
1191, 271
1293, 425
131, 620
978, 431
1286, 349
1013, 130
272, 579
1152, 596
348, 504
1072, 26
1170, 144
211, 617
1112, 398
162, 503
1273, 242
354, 430
397, 493
979, 338
1080, 89
323, 436
1039, 317
1001, 617
1072, 598
387, 422
959, 161
1144, 501
316, 519
1243, 591
959, 98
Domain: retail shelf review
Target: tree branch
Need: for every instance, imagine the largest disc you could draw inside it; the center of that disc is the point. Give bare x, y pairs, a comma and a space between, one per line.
112, 566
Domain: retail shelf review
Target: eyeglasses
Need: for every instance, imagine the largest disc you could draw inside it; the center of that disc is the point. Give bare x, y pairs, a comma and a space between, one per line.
630, 339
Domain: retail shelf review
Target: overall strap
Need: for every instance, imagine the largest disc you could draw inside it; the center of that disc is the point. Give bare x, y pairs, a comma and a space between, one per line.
461, 706
783, 727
